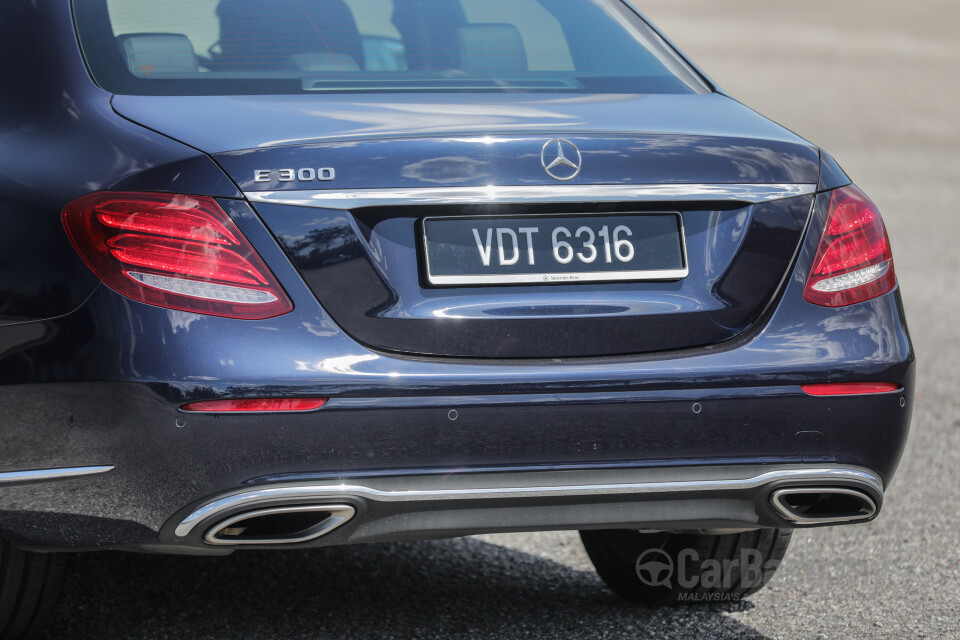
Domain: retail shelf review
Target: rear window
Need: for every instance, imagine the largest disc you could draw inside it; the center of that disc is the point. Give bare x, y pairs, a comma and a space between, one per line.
204, 47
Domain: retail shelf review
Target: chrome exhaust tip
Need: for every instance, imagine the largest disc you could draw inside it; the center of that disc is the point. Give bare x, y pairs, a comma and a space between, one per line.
823, 505
279, 525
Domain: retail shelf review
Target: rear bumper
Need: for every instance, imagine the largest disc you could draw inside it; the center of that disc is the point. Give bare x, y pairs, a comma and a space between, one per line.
682, 459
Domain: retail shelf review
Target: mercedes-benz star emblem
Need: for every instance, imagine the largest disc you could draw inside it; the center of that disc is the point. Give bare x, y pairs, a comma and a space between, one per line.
561, 159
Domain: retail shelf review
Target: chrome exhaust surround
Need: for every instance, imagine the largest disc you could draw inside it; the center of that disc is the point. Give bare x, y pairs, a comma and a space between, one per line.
823, 505
274, 525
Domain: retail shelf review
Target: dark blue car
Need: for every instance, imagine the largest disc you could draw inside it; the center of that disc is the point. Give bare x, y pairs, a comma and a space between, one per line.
290, 273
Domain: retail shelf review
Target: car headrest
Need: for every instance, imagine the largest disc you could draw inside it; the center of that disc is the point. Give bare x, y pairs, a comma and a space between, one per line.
264, 35
491, 48
323, 61
428, 29
149, 53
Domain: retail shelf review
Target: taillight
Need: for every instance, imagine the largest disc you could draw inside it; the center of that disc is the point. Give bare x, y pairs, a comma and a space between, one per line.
174, 251
853, 262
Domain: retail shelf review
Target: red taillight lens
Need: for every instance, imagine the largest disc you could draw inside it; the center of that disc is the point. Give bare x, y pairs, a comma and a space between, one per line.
848, 388
174, 251
256, 405
853, 262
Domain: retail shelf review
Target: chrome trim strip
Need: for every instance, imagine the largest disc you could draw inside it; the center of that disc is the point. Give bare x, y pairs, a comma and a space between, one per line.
790, 515
38, 475
555, 193
327, 491
339, 514
561, 278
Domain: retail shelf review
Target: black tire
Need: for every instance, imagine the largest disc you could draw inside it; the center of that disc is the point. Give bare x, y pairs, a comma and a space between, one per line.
646, 567
30, 585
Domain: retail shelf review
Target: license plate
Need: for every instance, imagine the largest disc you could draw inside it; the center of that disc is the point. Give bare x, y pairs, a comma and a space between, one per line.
550, 249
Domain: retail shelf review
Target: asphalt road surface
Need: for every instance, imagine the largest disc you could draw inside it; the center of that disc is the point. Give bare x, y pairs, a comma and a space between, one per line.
877, 83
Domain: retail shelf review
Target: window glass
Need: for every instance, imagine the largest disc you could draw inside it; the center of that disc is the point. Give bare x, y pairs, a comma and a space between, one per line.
303, 46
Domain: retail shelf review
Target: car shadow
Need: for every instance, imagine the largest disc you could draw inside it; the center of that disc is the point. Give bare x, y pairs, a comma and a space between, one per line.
438, 588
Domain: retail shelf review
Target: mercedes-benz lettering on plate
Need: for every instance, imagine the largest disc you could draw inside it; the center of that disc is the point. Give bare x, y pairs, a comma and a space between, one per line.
319, 272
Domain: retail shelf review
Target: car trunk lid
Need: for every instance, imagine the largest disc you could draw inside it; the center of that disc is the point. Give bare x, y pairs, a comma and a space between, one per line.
345, 186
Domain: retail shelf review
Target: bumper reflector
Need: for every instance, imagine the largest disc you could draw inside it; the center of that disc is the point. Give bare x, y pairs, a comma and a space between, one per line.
849, 388
255, 405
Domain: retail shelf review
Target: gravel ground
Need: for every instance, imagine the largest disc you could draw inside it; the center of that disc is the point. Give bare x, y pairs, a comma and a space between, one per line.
877, 84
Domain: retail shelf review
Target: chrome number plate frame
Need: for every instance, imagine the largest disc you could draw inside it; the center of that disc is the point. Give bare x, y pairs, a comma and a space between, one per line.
553, 248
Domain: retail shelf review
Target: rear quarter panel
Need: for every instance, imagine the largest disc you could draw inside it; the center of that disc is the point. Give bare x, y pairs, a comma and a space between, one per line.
60, 139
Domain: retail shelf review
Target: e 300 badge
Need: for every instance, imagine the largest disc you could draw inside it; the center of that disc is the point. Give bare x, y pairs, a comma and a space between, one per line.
306, 174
